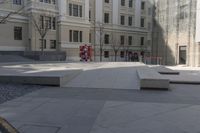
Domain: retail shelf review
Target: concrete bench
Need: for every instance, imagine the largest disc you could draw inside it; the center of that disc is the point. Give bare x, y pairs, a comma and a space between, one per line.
151, 79
49, 78
166, 71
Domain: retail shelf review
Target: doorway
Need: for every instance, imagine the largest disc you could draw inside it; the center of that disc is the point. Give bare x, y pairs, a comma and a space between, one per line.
182, 55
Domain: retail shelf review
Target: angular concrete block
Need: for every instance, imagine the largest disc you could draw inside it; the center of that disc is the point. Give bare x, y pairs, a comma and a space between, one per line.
151, 79
53, 78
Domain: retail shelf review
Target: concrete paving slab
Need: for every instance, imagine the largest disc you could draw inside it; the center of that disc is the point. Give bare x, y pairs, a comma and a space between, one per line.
110, 75
121, 110
129, 117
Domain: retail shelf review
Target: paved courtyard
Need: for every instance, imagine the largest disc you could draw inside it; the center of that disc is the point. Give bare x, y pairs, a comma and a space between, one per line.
78, 108
69, 110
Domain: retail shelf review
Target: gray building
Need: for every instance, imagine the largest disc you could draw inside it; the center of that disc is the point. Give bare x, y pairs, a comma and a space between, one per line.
176, 32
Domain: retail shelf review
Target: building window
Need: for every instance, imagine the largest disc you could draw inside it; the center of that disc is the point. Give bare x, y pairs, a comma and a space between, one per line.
130, 3
70, 36
106, 1
149, 26
41, 22
106, 39
143, 5
122, 54
46, 1
122, 40
130, 20
183, 11
106, 17
90, 37
122, 2
149, 11
47, 22
18, 33
49, 1
53, 1
130, 38
44, 44
75, 36
80, 36
75, 10
142, 41
70, 9
17, 2
80, 11
54, 23
142, 22
89, 15
106, 54
122, 20
52, 44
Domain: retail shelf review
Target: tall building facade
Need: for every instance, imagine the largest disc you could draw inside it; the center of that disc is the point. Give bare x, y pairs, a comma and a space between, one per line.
120, 28
176, 32
114, 28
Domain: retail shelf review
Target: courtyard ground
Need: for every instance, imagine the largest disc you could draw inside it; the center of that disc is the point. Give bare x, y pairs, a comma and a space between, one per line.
109, 107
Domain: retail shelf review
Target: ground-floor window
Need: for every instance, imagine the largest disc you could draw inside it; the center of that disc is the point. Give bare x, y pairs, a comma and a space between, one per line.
122, 54
18, 33
53, 44
106, 54
75, 36
44, 44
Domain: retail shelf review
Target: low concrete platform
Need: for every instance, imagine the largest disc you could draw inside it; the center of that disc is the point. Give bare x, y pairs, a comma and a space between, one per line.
51, 78
151, 79
165, 71
37, 74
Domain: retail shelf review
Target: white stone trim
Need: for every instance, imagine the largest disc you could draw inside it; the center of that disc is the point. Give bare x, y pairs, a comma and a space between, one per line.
11, 48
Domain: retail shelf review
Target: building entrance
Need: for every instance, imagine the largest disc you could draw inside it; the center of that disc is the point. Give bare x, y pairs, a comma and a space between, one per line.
182, 54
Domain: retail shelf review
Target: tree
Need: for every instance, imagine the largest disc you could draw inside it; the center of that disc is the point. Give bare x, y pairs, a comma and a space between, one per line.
115, 45
126, 49
42, 24
5, 18
101, 43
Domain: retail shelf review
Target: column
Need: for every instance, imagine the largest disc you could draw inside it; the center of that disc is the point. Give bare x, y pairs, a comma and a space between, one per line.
62, 7
137, 13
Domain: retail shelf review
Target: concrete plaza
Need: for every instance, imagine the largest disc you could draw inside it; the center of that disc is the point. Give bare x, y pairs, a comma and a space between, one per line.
108, 107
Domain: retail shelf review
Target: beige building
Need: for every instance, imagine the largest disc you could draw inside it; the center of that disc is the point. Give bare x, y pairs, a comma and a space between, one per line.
107, 25
121, 27
176, 33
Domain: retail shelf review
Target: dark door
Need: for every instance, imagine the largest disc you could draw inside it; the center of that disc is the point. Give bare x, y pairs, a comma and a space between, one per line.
182, 54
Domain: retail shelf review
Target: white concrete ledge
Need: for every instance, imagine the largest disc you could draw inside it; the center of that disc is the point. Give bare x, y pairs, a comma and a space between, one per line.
166, 71
50, 78
151, 79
